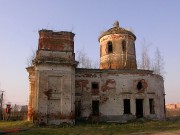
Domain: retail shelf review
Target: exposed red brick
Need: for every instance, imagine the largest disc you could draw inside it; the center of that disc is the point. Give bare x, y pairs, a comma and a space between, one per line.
110, 84
82, 83
95, 91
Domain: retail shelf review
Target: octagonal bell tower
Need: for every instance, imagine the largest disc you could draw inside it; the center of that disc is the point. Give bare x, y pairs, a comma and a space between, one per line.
117, 49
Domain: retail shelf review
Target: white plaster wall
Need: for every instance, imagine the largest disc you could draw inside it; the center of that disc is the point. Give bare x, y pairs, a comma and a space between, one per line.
64, 104
111, 100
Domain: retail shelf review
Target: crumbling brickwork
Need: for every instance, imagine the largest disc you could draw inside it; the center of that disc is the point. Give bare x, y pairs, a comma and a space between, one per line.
117, 49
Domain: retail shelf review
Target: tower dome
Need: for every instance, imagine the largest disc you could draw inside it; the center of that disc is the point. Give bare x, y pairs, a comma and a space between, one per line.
117, 48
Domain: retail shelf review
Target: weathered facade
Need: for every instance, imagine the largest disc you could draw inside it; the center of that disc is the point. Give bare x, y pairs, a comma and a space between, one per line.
60, 92
117, 49
52, 79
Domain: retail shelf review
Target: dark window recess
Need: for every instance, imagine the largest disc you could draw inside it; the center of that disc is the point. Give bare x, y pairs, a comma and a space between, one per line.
110, 47
127, 106
95, 88
139, 85
95, 85
95, 108
151, 106
123, 45
78, 108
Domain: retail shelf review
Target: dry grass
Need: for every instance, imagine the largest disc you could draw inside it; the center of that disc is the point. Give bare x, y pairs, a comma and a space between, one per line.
172, 112
137, 127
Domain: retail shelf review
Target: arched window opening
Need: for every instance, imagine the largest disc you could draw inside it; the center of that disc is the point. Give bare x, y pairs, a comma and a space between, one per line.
123, 45
110, 47
139, 85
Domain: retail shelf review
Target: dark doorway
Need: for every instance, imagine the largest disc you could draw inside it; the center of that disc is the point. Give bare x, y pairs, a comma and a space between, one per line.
78, 108
95, 108
139, 108
127, 106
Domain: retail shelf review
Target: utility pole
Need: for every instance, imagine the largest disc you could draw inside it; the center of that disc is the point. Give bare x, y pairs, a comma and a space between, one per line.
1, 104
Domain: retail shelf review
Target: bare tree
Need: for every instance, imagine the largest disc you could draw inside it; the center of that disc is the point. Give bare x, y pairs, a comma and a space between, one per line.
95, 64
81, 57
158, 63
31, 58
145, 59
85, 61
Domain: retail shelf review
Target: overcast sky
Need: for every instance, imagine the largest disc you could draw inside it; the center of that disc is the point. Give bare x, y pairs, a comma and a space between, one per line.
156, 21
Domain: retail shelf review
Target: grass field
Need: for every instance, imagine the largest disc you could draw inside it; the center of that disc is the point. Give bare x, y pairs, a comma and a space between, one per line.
137, 127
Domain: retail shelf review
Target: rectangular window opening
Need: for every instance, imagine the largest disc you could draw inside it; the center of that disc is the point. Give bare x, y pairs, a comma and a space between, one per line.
95, 108
95, 88
127, 106
95, 85
151, 106
78, 108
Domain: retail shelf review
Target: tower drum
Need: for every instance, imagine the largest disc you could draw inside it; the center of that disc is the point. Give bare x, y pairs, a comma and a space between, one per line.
117, 49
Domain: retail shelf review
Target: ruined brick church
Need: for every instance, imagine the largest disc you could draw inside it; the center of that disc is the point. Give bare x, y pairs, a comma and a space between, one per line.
117, 91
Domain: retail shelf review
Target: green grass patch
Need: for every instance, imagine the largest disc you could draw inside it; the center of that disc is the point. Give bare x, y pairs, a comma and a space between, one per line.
15, 124
92, 129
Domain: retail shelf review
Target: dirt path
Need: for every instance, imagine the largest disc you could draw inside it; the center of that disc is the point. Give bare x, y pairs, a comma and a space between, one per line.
175, 132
